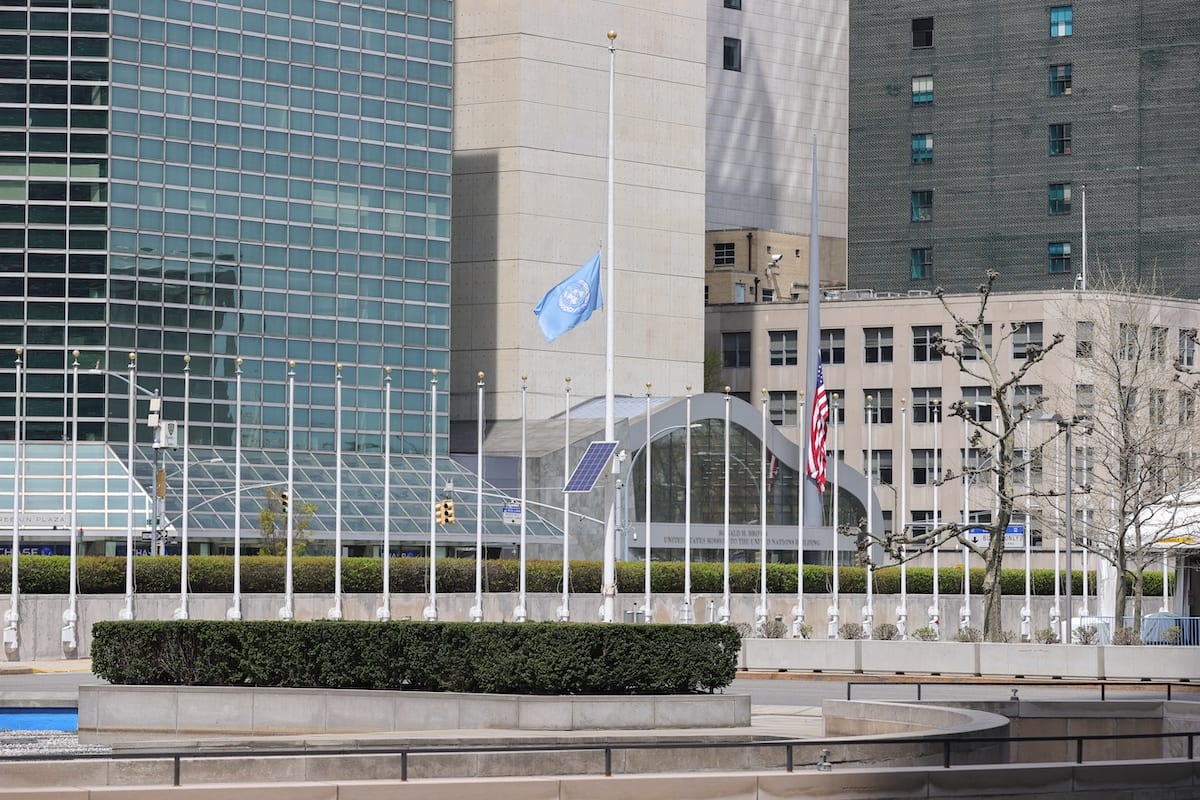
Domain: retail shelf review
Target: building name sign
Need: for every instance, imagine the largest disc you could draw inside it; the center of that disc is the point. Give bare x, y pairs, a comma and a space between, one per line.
47, 520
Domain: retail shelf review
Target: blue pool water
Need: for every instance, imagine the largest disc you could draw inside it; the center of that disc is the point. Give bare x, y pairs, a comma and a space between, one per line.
39, 719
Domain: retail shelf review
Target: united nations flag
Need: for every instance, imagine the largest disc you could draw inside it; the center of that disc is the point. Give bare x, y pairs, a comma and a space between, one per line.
570, 302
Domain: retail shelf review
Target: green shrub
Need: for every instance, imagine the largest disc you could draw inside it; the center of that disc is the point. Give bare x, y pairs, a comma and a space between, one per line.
1046, 636
925, 634
886, 632
532, 658
968, 634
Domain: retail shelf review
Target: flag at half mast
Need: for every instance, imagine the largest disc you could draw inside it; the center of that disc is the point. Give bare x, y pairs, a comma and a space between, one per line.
818, 429
570, 302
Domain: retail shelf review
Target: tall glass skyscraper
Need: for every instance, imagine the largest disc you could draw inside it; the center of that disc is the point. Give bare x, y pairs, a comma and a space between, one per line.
262, 179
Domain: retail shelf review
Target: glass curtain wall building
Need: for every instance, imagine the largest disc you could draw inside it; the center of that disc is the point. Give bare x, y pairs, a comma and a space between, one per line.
266, 180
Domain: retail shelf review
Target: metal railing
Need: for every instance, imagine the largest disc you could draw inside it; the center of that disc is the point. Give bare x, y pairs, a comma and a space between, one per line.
1104, 687
947, 745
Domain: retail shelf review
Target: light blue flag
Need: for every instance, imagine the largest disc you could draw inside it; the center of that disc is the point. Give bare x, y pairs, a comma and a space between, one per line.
571, 302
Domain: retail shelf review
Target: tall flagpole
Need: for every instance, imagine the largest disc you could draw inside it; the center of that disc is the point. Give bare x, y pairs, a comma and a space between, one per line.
430, 612
935, 614
384, 612
760, 623
288, 610
564, 611
182, 611
685, 611
723, 612
902, 609
813, 506
798, 611
1083, 235
477, 609
71, 615
646, 615
336, 611
520, 613
608, 609
835, 606
235, 611
127, 611
869, 608
12, 617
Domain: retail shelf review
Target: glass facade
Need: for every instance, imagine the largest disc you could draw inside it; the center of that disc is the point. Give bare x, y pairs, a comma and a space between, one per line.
263, 179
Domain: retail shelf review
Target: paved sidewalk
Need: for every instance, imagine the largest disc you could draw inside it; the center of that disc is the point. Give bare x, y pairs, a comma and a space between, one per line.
57, 665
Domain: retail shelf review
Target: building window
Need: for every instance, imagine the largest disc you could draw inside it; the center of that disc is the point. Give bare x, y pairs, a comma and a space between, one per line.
1060, 198
1084, 466
1060, 21
878, 346
706, 294
723, 254
1060, 257
1060, 80
925, 342
879, 409
922, 205
781, 408
1158, 407
922, 32
969, 350
1187, 408
924, 470
978, 402
837, 406
1060, 139
920, 262
733, 54
736, 349
922, 148
783, 348
736, 5
922, 90
768, 295
1158, 343
1030, 460
1187, 347
739, 293
833, 345
925, 409
1130, 346
1026, 335
1085, 333
1085, 400
1027, 395
880, 466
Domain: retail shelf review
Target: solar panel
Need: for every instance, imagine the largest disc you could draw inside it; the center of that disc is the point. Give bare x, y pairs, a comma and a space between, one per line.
590, 466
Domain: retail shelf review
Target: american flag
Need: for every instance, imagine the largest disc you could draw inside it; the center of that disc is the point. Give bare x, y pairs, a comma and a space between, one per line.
818, 430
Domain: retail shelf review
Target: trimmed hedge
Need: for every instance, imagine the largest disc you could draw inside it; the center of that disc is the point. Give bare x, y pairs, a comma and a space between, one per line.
314, 574
530, 658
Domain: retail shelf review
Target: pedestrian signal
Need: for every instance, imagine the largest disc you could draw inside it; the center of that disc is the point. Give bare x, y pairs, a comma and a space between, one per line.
283, 501
448, 505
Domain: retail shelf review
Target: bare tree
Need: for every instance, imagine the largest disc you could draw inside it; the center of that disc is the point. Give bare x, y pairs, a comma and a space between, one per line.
1134, 459
972, 347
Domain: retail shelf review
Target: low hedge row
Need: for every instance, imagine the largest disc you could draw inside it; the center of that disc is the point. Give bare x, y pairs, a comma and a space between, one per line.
314, 574
532, 658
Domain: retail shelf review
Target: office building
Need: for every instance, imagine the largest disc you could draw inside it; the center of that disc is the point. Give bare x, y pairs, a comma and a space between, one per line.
974, 128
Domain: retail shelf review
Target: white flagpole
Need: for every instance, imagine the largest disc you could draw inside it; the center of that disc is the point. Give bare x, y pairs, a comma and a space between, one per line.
902, 609
723, 612
685, 612
801, 436
1166, 603
1056, 610
519, 613
760, 624
1027, 611
71, 615
12, 616
646, 615
182, 611
235, 610
127, 611
477, 609
935, 615
430, 612
564, 611
608, 610
384, 612
1083, 235
869, 608
964, 613
336, 611
288, 610
835, 606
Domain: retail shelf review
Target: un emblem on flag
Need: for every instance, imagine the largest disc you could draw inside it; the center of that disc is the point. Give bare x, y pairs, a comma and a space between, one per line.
575, 296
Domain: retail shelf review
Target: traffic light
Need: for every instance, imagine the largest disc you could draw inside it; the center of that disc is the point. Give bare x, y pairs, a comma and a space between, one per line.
448, 505
283, 501
439, 513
